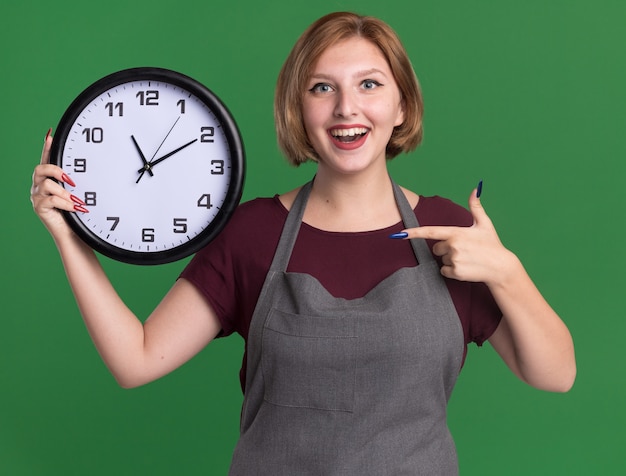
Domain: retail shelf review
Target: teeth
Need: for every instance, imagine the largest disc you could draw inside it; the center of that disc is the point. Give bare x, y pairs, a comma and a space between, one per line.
348, 132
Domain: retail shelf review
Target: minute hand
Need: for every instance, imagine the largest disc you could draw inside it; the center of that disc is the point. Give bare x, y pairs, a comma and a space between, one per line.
166, 156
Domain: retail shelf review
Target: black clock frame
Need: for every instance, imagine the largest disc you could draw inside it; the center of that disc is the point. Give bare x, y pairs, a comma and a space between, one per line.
235, 145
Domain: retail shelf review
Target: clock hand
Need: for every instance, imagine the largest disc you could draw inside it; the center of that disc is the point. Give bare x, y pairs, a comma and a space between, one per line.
161, 159
166, 156
146, 165
165, 138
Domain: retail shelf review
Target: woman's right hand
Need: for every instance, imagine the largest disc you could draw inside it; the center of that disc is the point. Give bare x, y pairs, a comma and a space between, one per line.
181, 325
48, 196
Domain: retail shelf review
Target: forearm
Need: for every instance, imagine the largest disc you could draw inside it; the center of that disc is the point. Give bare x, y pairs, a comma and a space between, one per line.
116, 332
533, 340
134, 353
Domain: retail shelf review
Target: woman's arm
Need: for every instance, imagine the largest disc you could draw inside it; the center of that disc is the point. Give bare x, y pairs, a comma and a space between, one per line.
180, 326
531, 338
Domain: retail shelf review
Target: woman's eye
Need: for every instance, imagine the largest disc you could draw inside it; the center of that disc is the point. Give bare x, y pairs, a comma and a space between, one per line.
321, 88
370, 84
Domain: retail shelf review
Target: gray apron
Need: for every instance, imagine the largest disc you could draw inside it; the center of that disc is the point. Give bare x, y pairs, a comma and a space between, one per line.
350, 387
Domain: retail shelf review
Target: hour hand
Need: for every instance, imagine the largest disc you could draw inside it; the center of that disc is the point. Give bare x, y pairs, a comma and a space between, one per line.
146, 164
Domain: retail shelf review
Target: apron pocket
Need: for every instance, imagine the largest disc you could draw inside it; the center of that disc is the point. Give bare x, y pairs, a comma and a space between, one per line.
309, 361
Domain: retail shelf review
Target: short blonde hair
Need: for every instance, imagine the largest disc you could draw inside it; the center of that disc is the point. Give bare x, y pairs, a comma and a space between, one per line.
295, 73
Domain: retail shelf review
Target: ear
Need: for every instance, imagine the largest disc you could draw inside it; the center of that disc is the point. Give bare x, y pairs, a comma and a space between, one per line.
400, 116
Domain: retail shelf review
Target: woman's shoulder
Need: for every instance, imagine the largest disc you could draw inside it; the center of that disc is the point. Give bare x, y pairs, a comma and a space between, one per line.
260, 208
254, 227
257, 205
256, 217
440, 211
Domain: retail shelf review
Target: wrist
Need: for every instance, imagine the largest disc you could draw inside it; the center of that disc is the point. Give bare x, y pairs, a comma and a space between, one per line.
510, 271
67, 242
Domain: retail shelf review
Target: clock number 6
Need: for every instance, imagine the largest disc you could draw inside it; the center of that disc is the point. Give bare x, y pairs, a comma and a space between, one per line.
147, 235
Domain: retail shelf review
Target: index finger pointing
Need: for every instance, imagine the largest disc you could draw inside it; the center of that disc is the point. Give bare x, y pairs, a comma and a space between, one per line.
427, 232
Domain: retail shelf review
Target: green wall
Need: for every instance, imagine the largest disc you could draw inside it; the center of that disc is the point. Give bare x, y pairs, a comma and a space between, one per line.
529, 96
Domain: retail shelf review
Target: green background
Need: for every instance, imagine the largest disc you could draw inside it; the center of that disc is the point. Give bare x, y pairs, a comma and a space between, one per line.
529, 96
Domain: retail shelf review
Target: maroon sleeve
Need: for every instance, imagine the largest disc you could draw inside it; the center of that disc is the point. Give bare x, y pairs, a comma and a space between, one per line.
230, 270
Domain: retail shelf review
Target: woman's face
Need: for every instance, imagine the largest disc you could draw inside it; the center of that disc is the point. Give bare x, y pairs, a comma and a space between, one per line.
351, 105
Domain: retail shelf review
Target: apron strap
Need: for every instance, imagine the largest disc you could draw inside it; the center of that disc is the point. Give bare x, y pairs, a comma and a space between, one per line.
290, 229
420, 247
294, 219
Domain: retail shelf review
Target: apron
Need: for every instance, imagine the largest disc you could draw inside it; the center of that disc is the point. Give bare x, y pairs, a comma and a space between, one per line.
350, 387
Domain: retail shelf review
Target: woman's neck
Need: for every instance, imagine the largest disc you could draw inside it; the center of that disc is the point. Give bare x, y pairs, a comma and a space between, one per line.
351, 203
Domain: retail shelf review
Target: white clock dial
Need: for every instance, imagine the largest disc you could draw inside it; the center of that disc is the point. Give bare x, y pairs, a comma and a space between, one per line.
154, 164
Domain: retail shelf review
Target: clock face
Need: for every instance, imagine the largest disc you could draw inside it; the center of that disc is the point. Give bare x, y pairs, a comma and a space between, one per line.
158, 161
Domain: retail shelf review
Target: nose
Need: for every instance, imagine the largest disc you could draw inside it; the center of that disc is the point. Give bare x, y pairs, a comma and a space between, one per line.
346, 105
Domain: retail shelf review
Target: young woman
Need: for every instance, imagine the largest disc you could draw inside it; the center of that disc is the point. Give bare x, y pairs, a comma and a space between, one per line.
353, 340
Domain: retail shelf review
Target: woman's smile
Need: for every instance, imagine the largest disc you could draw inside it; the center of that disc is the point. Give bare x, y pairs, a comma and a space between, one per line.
349, 137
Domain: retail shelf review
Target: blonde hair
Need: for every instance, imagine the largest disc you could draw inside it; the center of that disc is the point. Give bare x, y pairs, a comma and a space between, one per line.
291, 84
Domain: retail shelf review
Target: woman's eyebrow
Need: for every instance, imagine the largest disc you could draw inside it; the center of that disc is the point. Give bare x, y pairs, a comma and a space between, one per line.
358, 74
368, 72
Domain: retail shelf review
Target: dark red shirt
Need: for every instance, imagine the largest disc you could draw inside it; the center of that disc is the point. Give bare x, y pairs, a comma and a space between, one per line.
230, 270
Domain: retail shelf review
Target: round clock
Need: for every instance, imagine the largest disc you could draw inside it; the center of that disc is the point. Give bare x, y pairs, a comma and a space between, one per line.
157, 159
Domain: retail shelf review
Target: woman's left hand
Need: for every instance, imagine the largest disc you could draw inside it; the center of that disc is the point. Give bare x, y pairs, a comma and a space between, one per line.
531, 338
473, 253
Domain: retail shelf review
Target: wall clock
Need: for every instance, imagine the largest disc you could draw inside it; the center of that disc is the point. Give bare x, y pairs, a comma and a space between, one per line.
158, 160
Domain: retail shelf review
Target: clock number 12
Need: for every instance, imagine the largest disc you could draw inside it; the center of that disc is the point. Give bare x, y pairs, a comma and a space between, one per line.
148, 98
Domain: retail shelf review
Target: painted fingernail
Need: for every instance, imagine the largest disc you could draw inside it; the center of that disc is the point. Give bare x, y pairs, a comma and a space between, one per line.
68, 180
479, 189
79, 208
399, 236
75, 199
48, 134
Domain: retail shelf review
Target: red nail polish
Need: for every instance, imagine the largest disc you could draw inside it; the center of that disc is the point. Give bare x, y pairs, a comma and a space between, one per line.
48, 135
75, 199
68, 180
79, 208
